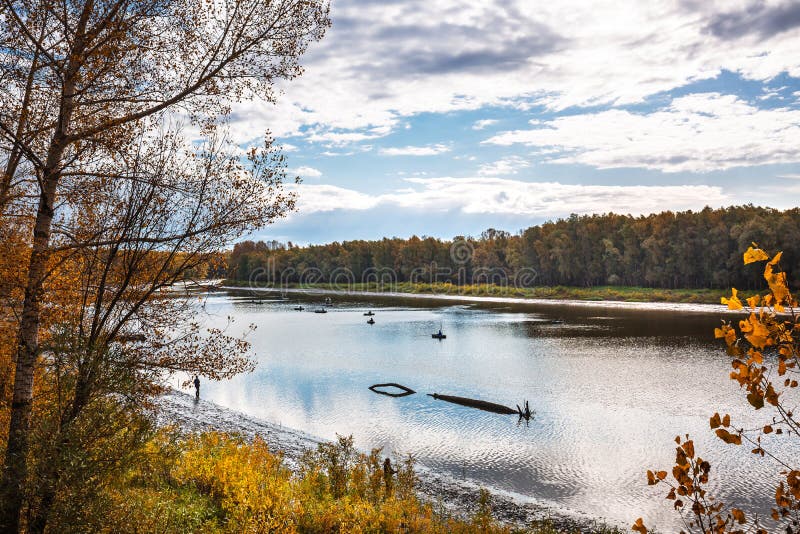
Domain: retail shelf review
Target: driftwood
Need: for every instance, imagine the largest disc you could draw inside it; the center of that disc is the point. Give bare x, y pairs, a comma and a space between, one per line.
527, 413
475, 403
406, 391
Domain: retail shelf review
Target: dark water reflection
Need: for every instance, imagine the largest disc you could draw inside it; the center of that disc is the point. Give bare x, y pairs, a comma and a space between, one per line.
611, 389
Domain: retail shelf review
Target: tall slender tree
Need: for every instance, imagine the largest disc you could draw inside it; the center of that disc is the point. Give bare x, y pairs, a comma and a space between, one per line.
79, 75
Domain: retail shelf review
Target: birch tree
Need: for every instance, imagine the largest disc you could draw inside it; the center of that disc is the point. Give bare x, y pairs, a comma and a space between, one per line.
78, 76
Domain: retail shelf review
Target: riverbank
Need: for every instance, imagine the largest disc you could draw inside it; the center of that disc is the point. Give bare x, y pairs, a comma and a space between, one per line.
458, 497
534, 303
544, 293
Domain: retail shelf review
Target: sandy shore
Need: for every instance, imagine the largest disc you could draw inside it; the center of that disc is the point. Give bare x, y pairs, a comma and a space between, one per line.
459, 497
669, 307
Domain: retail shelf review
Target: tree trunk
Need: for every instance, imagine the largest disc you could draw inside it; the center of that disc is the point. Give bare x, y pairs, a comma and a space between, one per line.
15, 466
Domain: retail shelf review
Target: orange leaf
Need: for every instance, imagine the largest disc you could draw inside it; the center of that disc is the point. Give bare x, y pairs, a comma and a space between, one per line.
715, 421
733, 303
727, 437
688, 448
639, 527
754, 254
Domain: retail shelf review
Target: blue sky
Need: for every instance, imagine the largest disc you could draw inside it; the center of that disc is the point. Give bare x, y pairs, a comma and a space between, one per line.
446, 118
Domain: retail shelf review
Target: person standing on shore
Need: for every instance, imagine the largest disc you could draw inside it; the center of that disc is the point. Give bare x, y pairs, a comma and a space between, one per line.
196, 386
388, 474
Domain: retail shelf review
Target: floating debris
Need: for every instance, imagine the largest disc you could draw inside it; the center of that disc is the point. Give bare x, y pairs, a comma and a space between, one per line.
475, 403
527, 413
405, 391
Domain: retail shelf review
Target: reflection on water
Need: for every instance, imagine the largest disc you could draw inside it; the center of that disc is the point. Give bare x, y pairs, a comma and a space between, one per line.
611, 389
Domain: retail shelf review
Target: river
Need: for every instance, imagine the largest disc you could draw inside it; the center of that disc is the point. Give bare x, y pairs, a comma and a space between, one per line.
611, 388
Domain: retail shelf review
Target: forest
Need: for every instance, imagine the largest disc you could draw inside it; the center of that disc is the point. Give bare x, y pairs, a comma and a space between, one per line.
700, 250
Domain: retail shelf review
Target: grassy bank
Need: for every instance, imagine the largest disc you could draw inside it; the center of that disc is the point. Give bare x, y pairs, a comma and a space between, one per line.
218, 483
616, 293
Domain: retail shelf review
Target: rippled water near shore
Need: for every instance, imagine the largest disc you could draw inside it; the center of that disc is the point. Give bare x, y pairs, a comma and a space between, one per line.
611, 386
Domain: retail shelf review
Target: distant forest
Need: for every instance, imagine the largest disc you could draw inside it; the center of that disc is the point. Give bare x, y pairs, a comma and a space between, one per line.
666, 250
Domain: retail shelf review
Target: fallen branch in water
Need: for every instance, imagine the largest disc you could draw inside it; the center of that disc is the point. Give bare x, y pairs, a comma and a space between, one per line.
475, 403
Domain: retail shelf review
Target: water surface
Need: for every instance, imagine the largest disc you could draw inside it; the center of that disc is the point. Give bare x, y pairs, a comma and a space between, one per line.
611, 388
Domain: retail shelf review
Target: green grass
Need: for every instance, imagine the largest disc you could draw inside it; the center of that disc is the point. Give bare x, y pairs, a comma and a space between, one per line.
615, 293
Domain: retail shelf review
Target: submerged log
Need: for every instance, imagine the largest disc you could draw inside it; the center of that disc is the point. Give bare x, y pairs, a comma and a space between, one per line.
475, 403
406, 391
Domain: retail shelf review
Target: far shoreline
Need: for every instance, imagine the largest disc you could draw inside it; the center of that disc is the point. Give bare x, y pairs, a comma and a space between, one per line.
627, 305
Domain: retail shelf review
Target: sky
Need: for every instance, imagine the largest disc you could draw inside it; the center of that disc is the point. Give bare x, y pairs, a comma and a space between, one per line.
444, 118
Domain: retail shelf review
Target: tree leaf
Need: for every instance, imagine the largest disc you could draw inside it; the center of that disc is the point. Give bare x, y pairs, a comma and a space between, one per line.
754, 254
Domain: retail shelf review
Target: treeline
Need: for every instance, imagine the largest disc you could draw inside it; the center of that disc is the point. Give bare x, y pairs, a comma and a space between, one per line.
665, 250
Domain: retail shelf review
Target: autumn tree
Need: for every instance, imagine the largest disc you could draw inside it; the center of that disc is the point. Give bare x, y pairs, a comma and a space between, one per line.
80, 77
112, 327
765, 357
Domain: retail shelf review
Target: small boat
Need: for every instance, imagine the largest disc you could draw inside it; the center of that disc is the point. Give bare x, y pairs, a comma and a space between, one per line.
369, 314
439, 335
321, 310
299, 308
371, 321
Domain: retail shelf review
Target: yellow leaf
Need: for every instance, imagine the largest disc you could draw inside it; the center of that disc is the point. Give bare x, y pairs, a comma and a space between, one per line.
733, 303
639, 527
755, 332
753, 301
777, 281
754, 254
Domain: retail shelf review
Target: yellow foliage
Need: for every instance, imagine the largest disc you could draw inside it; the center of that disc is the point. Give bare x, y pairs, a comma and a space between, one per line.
754, 254
733, 303
764, 346
221, 483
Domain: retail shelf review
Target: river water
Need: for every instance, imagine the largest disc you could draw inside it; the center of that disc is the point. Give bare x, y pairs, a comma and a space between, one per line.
611, 388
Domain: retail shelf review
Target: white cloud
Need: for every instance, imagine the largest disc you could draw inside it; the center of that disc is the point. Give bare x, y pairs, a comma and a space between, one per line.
323, 197
503, 167
383, 61
483, 123
513, 197
305, 172
429, 150
698, 133
345, 138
